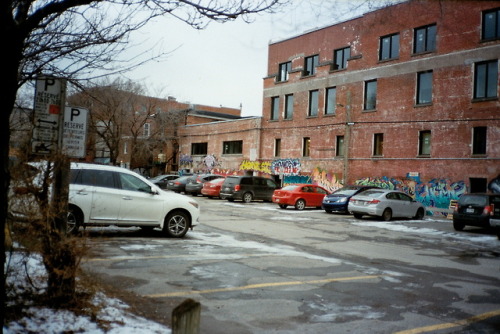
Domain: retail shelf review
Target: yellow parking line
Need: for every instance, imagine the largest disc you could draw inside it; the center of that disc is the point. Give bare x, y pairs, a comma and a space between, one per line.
261, 285
457, 323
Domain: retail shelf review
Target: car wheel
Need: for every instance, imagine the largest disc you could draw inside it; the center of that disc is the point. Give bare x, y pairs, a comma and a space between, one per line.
247, 197
147, 228
328, 211
176, 224
74, 221
300, 204
420, 214
387, 214
458, 226
283, 206
194, 194
230, 199
357, 215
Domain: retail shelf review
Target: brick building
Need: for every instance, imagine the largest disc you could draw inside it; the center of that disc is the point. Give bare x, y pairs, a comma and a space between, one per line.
403, 97
406, 96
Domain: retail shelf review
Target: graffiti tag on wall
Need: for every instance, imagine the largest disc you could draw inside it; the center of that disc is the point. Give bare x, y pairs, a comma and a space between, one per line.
258, 166
286, 167
185, 160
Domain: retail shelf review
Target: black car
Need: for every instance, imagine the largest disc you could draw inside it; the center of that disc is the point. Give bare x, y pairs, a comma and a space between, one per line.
476, 210
248, 188
195, 183
339, 199
179, 184
162, 180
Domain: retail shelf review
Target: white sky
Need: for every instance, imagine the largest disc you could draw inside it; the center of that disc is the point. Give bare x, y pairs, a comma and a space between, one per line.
225, 64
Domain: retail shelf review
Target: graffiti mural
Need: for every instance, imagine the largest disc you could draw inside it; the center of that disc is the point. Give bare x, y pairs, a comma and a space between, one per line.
327, 180
494, 185
296, 179
185, 160
258, 166
436, 193
286, 167
209, 162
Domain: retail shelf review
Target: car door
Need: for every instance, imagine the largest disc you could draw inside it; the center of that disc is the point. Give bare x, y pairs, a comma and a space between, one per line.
408, 206
317, 196
395, 203
100, 194
138, 205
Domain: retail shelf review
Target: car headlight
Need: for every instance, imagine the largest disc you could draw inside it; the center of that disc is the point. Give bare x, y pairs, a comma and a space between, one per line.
343, 200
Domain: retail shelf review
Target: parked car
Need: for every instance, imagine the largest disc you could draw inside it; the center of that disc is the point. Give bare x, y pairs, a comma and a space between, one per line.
102, 195
162, 180
178, 185
300, 196
339, 199
248, 188
195, 183
385, 203
482, 210
212, 188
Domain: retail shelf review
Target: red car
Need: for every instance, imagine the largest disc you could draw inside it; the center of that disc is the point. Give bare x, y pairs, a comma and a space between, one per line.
300, 196
212, 188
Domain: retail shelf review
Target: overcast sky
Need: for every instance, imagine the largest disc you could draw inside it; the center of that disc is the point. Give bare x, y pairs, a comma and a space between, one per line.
225, 64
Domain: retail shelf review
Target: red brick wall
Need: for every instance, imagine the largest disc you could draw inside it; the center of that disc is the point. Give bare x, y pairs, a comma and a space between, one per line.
450, 118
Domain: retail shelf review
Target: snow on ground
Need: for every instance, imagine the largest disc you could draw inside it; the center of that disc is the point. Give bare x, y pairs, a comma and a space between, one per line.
46, 320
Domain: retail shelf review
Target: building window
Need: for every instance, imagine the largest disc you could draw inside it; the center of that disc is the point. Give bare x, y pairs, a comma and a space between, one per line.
289, 106
424, 143
306, 146
275, 108
370, 95
232, 147
389, 47
486, 79
491, 24
424, 39
330, 101
277, 147
313, 103
378, 144
340, 57
125, 147
424, 87
146, 130
284, 70
340, 146
310, 65
479, 140
199, 148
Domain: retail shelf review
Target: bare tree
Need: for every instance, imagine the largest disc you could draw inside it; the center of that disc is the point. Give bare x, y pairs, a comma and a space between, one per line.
75, 39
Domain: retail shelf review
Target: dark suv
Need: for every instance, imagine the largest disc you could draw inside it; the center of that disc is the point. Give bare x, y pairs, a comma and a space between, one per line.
476, 210
248, 188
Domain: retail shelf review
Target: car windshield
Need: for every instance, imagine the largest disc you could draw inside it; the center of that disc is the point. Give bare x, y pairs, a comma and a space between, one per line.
371, 193
289, 188
156, 178
348, 191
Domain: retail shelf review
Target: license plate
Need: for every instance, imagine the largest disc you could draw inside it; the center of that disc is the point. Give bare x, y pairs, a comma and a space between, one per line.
469, 210
277, 200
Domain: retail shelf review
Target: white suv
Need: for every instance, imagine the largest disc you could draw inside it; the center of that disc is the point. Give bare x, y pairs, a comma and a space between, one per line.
101, 195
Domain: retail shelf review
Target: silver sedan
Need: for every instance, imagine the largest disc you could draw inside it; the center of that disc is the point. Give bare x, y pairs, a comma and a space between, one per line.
386, 204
